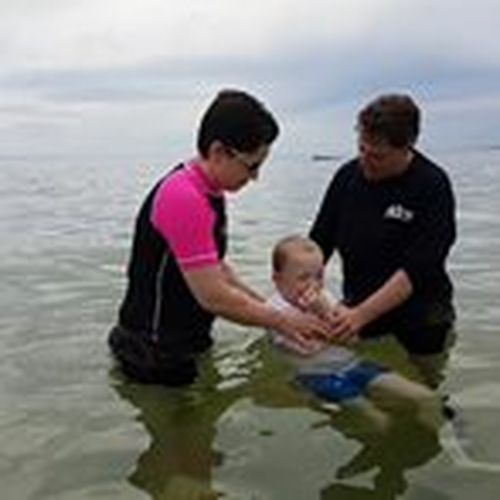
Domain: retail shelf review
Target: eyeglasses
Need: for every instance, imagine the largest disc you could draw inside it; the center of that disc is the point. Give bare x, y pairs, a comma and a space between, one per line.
251, 166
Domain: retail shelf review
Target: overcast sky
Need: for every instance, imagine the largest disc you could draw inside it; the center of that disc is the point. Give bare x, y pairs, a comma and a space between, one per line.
131, 77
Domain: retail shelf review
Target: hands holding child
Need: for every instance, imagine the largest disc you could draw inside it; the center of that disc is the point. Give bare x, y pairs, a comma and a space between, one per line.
344, 322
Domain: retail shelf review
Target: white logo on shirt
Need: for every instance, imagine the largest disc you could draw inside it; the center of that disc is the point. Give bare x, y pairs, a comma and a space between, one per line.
398, 212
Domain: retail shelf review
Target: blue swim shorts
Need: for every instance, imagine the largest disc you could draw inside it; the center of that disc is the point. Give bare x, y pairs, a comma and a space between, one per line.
343, 385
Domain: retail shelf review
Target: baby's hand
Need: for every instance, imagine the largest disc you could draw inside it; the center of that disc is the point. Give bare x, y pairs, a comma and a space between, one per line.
308, 297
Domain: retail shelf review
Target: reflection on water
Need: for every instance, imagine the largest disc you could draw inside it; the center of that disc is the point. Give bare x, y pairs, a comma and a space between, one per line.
71, 429
209, 443
389, 458
179, 458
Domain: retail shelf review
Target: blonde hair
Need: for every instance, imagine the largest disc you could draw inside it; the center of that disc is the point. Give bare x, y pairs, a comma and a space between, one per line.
284, 247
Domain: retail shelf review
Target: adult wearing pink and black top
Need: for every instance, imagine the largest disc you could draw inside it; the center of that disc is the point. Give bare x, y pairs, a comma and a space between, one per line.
178, 280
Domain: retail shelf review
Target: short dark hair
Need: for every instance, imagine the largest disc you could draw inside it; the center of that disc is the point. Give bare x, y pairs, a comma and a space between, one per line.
392, 118
239, 121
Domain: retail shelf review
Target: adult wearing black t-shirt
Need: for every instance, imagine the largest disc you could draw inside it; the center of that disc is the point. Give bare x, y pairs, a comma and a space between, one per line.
390, 213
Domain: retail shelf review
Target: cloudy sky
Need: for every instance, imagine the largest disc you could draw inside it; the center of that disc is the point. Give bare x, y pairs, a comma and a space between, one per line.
130, 77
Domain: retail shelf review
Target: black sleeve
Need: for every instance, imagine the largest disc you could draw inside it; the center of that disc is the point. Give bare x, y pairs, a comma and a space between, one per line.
324, 228
432, 235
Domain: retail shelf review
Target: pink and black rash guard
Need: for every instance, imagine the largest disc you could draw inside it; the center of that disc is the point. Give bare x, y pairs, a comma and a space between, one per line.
180, 226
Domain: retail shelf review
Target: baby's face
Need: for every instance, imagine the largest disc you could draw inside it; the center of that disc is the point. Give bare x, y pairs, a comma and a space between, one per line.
302, 269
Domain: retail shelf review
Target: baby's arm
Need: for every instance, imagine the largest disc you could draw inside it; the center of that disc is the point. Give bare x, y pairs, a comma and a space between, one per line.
323, 304
318, 301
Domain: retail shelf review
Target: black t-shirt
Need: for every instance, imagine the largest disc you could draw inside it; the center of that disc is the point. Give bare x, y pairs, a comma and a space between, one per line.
406, 222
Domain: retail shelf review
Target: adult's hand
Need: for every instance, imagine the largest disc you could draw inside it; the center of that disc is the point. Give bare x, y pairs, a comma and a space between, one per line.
346, 323
305, 330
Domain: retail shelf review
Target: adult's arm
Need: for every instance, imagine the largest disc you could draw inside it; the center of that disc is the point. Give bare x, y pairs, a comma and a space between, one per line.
215, 292
432, 235
214, 285
235, 280
347, 321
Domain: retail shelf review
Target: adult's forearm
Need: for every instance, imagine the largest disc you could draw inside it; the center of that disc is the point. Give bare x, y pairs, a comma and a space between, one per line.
238, 283
215, 292
396, 290
235, 304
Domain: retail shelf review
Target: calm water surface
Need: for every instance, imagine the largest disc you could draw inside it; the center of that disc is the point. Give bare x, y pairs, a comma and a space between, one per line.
71, 428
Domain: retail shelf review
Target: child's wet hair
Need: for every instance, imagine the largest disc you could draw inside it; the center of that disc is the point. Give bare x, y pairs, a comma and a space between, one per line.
283, 247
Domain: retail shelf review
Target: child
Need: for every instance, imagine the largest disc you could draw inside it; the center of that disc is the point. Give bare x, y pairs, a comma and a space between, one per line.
334, 372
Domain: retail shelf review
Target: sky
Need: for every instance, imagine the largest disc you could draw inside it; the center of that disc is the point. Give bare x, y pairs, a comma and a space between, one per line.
130, 78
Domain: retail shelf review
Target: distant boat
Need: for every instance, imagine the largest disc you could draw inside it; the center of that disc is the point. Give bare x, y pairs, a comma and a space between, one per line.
325, 157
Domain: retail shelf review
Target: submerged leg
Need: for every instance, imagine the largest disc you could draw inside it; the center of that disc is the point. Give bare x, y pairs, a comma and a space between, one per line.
396, 391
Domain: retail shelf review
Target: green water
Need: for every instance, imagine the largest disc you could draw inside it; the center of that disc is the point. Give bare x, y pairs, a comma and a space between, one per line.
72, 428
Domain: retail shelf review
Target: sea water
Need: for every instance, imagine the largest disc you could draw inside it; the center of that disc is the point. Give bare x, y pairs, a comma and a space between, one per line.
72, 428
